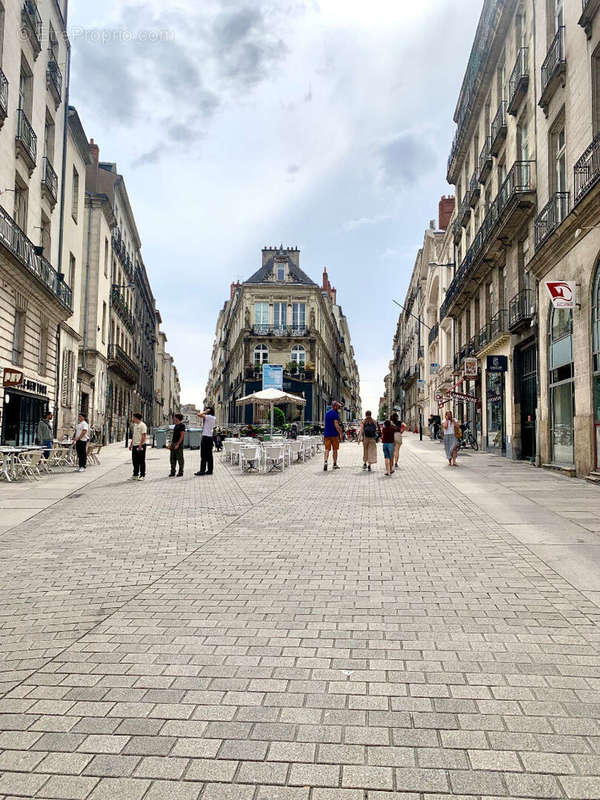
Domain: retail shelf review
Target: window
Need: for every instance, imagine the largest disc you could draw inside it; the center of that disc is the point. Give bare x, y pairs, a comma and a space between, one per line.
596, 92
72, 265
560, 160
104, 323
43, 351
279, 315
20, 212
261, 314
523, 140
18, 347
46, 237
75, 195
49, 133
68, 373
25, 89
299, 354
299, 316
261, 354
1, 31
559, 15
106, 251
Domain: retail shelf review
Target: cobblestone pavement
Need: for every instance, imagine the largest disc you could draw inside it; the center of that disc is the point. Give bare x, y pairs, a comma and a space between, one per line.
306, 636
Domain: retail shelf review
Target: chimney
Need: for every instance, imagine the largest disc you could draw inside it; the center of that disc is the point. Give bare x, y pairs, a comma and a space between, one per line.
326, 285
446, 209
233, 288
94, 152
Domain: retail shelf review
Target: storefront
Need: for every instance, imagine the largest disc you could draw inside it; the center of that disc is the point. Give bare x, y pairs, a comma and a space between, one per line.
495, 404
24, 403
562, 387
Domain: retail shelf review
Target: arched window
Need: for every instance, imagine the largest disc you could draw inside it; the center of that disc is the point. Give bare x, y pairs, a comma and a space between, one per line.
562, 386
299, 354
261, 354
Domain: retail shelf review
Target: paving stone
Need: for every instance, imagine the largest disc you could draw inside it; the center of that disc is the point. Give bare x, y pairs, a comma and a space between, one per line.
169, 790
19, 783
368, 777
65, 763
161, 768
121, 788
256, 772
209, 770
68, 787
112, 766
314, 775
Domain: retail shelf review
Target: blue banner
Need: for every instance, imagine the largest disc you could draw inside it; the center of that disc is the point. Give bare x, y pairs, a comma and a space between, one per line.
272, 377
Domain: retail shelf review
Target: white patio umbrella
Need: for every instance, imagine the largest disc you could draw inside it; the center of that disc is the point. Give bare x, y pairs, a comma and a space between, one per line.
270, 397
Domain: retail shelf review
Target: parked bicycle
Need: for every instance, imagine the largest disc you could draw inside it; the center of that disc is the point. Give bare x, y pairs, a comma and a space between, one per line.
468, 439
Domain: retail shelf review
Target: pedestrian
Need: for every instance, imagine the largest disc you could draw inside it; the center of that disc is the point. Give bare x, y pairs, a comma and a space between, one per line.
387, 437
399, 428
206, 443
368, 434
332, 434
218, 440
44, 433
82, 435
177, 446
138, 448
449, 426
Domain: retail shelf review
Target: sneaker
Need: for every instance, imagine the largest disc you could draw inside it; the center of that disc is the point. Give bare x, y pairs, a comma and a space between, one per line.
81, 469
141, 478
335, 466
133, 478
325, 467
364, 466
369, 468
199, 473
179, 475
171, 474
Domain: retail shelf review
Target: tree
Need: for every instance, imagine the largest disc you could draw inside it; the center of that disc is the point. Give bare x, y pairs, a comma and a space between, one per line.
278, 418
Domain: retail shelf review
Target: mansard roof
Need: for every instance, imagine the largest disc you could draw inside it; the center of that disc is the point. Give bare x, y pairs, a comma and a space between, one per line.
296, 275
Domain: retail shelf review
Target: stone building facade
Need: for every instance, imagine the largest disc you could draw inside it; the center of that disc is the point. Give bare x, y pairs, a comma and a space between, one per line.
280, 316
525, 162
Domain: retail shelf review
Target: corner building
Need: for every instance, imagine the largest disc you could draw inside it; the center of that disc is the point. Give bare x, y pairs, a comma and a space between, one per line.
280, 316
526, 165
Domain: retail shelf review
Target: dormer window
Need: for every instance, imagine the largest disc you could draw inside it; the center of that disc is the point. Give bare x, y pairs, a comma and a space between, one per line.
280, 270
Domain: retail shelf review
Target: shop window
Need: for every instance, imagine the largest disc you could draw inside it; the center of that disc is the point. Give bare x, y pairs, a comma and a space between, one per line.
562, 386
18, 347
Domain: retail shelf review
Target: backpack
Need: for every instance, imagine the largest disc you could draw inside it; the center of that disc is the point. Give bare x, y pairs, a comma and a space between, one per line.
370, 429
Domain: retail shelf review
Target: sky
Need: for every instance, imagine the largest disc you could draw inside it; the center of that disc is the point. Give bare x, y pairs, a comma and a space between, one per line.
238, 124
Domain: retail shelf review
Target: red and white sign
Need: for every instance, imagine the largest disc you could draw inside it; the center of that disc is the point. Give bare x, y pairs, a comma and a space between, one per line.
469, 398
12, 377
470, 368
562, 293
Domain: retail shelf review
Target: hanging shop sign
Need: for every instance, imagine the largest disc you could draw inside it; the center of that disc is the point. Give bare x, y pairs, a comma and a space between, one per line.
12, 377
434, 368
467, 398
497, 363
562, 293
470, 367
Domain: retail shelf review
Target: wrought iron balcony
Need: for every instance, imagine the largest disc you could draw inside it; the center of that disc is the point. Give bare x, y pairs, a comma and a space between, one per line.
464, 211
32, 25
485, 160
587, 170
457, 362
420, 351
519, 81
553, 68
474, 191
119, 362
521, 309
49, 181
3, 97
456, 231
590, 9
498, 129
472, 346
268, 330
26, 140
550, 217
54, 80
484, 336
498, 325
14, 241
122, 309
506, 215
434, 333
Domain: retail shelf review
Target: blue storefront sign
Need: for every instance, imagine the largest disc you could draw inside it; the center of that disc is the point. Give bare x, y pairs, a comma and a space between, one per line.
272, 377
497, 363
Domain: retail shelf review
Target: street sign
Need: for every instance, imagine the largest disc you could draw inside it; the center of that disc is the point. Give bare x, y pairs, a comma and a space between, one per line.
434, 368
497, 363
562, 293
272, 377
439, 397
470, 367
468, 398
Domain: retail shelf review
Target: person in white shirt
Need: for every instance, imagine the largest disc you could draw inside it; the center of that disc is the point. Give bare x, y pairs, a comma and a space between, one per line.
138, 448
81, 440
206, 445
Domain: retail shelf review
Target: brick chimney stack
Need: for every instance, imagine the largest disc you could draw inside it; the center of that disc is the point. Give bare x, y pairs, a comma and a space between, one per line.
233, 288
446, 209
327, 287
94, 152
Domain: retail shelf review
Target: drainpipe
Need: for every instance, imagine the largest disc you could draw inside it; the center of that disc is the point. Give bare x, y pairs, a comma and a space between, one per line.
538, 458
87, 280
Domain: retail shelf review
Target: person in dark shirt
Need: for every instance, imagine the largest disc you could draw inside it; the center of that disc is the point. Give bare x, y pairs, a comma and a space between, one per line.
387, 437
177, 446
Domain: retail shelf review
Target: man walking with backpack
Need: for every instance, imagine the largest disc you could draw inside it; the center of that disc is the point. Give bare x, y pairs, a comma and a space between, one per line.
368, 432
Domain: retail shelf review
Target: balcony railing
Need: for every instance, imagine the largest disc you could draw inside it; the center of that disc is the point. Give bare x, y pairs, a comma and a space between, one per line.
32, 25
464, 211
269, 330
485, 160
49, 180
3, 97
498, 324
521, 309
420, 351
456, 230
474, 191
20, 247
553, 68
498, 129
26, 139
54, 80
590, 9
519, 183
587, 170
472, 346
434, 333
120, 305
119, 361
519, 81
551, 216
